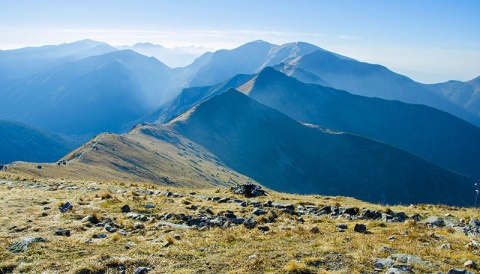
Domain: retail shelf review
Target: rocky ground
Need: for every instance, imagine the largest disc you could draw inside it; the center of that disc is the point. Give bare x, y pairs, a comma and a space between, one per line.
57, 226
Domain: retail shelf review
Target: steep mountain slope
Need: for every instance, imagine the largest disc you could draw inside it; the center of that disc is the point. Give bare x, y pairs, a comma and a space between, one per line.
146, 154
221, 65
285, 155
99, 93
171, 57
189, 97
464, 94
432, 134
369, 80
20, 142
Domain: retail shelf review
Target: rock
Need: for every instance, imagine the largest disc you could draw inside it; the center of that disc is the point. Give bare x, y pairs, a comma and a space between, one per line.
249, 223
473, 244
315, 229
445, 246
172, 225
283, 206
470, 264
223, 200
100, 236
23, 244
458, 271
258, 211
110, 229
387, 249
145, 192
149, 206
177, 236
141, 270
67, 206
122, 232
125, 208
342, 226
399, 269
263, 228
361, 228
349, 210
253, 256
383, 263
229, 214
167, 216
249, 190
435, 221
167, 244
273, 214
63, 232
46, 208
392, 238
138, 225
209, 211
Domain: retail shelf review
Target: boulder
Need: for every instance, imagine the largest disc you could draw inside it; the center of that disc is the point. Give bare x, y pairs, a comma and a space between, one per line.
361, 228
23, 244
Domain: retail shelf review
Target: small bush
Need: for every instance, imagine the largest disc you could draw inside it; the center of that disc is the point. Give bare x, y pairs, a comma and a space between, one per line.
297, 268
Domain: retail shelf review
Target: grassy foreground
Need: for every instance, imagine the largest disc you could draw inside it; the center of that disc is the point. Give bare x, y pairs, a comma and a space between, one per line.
30, 208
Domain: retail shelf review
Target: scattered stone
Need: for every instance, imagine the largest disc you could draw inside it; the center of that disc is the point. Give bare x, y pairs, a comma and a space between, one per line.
223, 200
249, 190
387, 249
39, 166
23, 244
458, 271
125, 208
145, 192
138, 225
361, 228
149, 206
177, 236
342, 226
209, 211
349, 210
253, 256
382, 263
263, 228
100, 236
273, 214
473, 244
167, 216
65, 207
141, 270
172, 225
63, 232
167, 244
249, 223
110, 228
122, 232
434, 221
445, 246
470, 264
258, 211
315, 229
399, 269
46, 208
392, 238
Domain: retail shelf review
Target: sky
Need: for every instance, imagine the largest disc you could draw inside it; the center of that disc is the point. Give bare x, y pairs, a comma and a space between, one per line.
427, 40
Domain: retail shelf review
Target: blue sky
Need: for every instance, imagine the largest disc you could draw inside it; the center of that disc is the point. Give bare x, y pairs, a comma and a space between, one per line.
428, 40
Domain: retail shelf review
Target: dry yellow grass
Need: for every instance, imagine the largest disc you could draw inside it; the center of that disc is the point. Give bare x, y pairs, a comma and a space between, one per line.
288, 247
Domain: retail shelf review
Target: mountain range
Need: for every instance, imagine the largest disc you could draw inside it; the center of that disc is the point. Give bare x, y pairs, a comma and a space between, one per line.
292, 117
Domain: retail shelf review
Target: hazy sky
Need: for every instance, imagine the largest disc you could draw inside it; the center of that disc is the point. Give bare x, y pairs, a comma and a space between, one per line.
428, 40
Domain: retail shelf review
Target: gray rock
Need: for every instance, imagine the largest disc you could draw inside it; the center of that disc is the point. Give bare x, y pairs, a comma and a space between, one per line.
172, 225
263, 228
145, 192
149, 206
122, 232
167, 216
23, 244
445, 246
209, 211
249, 223
315, 229
458, 271
273, 214
258, 211
141, 270
382, 263
342, 226
100, 236
63, 232
110, 228
473, 244
434, 220
470, 264
349, 210
361, 228
399, 269
223, 200
138, 225
67, 206
125, 208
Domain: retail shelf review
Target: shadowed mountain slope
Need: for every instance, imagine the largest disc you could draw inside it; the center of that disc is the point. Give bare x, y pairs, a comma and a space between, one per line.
20, 142
432, 134
368, 80
285, 155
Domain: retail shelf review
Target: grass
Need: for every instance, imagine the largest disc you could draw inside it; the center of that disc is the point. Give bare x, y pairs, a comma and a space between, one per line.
288, 247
